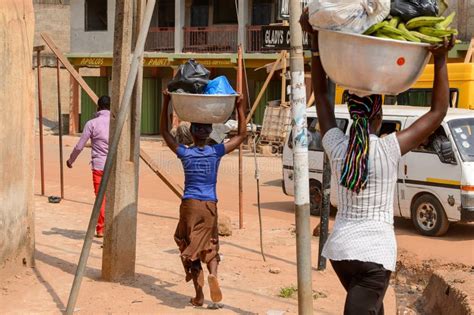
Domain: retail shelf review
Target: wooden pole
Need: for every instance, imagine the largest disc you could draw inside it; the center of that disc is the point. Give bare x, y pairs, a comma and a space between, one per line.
283, 78
40, 118
60, 123
241, 185
265, 85
470, 52
73, 105
310, 100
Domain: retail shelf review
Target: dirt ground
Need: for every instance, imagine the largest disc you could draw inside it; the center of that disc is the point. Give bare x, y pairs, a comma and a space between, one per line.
159, 286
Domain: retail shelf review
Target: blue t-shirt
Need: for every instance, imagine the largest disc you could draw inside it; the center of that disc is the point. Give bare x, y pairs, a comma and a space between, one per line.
200, 170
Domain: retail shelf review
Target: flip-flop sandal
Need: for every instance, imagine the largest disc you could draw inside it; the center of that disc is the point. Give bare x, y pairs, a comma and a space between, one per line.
216, 293
54, 199
193, 303
215, 306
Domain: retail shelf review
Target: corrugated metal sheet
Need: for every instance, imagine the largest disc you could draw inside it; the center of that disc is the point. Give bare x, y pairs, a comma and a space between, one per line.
272, 93
101, 87
151, 106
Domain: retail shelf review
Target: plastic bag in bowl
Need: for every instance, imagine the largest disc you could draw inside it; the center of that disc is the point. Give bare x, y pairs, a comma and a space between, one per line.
347, 15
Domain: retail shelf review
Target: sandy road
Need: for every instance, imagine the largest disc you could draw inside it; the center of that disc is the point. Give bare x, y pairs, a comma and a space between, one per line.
455, 247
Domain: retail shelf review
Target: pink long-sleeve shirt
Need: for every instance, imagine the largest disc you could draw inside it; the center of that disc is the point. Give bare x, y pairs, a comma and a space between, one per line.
97, 129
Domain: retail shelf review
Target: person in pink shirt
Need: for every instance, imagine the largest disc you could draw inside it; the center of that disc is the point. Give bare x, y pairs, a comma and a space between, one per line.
96, 129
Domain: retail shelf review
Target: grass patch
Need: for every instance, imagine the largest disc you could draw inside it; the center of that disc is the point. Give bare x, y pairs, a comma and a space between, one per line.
288, 292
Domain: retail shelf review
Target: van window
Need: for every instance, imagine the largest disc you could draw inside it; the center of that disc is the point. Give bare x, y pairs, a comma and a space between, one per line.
389, 126
432, 144
419, 97
463, 135
315, 142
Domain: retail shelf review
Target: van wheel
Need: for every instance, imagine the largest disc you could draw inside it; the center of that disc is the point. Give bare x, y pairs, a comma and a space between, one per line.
315, 197
429, 217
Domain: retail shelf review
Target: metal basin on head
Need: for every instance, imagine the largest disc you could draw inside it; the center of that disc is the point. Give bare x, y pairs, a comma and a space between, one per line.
203, 108
371, 65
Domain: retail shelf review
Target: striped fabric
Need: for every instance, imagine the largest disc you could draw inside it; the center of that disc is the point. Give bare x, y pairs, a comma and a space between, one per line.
364, 221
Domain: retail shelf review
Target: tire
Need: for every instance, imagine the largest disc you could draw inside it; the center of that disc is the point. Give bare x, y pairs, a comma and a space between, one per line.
315, 197
428, 216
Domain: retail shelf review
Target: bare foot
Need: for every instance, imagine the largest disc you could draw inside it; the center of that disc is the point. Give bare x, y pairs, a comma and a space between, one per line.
197, 301
216, 293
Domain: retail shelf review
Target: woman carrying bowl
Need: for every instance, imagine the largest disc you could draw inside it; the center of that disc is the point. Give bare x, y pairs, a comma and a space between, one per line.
362, 246
197, 234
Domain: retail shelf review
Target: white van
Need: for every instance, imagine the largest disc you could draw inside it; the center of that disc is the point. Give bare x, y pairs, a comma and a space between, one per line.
435, 180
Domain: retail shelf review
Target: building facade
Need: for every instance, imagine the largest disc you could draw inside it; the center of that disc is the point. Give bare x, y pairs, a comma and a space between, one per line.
209, 31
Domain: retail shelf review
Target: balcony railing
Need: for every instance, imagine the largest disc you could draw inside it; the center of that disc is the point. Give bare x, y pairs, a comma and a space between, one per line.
160, 39
214, 39
254, 40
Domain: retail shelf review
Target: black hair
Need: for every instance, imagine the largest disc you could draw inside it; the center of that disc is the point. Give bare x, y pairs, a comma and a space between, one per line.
104, 102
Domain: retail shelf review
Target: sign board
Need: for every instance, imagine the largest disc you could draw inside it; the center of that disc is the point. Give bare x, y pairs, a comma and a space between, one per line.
284, 9
278, 37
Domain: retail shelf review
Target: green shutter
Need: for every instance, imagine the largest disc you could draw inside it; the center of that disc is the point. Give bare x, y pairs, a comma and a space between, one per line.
151, 106
272, 93
100, 86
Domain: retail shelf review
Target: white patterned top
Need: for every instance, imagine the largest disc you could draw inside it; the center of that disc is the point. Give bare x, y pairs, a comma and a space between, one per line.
364, 222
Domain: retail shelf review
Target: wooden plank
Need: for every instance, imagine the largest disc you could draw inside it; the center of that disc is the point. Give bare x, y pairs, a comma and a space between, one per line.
69, 67
177, 190
310, 100
469, 54
38, 48
283, 79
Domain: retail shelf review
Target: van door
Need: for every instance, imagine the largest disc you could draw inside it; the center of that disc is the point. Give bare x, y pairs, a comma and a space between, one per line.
392, 124
424, 173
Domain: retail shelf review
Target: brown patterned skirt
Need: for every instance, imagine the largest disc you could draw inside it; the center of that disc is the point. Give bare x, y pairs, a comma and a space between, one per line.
197, 234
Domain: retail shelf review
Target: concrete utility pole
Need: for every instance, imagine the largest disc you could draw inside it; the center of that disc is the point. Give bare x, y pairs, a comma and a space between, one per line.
118, 259
300, 163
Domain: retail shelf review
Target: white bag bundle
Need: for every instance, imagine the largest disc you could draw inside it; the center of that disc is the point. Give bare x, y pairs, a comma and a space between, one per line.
349, 16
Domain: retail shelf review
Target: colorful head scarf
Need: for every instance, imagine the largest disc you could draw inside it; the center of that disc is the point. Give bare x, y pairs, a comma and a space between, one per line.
355, 171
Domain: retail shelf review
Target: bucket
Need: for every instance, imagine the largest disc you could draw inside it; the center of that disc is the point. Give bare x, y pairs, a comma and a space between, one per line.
203, 108
371, 65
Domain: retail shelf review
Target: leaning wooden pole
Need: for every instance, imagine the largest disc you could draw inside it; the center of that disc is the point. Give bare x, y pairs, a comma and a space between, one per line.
122, 116
145, 157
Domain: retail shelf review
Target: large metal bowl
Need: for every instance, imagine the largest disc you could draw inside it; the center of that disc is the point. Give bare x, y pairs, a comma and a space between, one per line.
203, 108
371, 65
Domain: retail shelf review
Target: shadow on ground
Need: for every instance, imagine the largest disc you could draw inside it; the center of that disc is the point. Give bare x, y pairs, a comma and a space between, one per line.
72, 234
148, 284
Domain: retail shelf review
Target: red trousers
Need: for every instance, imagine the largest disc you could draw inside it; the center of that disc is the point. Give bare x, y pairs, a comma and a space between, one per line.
96, 179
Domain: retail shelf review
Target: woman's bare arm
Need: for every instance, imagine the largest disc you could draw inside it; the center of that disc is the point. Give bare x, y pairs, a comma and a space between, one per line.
165, 133
235, 141
424, 126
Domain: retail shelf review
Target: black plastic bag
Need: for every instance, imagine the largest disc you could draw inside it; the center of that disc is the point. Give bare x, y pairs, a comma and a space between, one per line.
409, 9
191, 77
